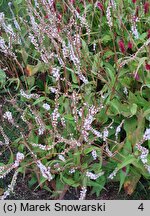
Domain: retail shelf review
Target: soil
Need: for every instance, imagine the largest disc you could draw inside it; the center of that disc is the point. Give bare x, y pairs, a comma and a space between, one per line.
23, 192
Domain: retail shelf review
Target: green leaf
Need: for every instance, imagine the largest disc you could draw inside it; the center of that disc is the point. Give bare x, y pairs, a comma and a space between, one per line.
11, 159
102, 117
33, 69
146, 112
106, 38
45, 187
123, 177
21, 147
94, 184
96, 64
133, 109
39, 100
130, 125
146, 85
18, 1
143, 36
110, 72
88, 150
2, 78
70, 181
59, 184
97, 189
14, 80
128, 160
139, 166
131, 181
30, 81
69, 117
108, 54
127, 148
74, 77
24, 55
76, 157
85, 48
149, 144
141, 62
21, 169
116, 104
32, 181
42, 180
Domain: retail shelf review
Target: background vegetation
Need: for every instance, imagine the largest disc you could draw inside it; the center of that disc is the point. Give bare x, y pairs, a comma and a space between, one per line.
74, 94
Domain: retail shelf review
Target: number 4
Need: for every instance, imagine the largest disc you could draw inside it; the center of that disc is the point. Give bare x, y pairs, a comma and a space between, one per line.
141, 207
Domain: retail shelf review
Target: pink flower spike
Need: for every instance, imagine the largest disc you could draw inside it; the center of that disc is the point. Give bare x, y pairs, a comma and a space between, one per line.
147, 66
100, 6
72, 1
136, 76
146, 7
46, 17
59, 16
148, 33
134, 1
124, 169
121, 46
130, 45
78, 9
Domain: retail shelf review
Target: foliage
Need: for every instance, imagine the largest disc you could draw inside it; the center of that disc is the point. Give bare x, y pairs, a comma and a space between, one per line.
74, 93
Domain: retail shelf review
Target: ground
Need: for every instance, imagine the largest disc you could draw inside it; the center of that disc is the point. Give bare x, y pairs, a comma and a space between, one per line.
22, 192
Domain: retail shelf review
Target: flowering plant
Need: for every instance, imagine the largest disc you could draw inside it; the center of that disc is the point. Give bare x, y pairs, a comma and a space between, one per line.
76, 80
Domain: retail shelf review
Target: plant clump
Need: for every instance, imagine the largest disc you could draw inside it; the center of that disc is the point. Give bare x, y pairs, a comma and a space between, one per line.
74, 94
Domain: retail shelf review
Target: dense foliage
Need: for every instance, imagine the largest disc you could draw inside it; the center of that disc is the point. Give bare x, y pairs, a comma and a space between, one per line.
75, 93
